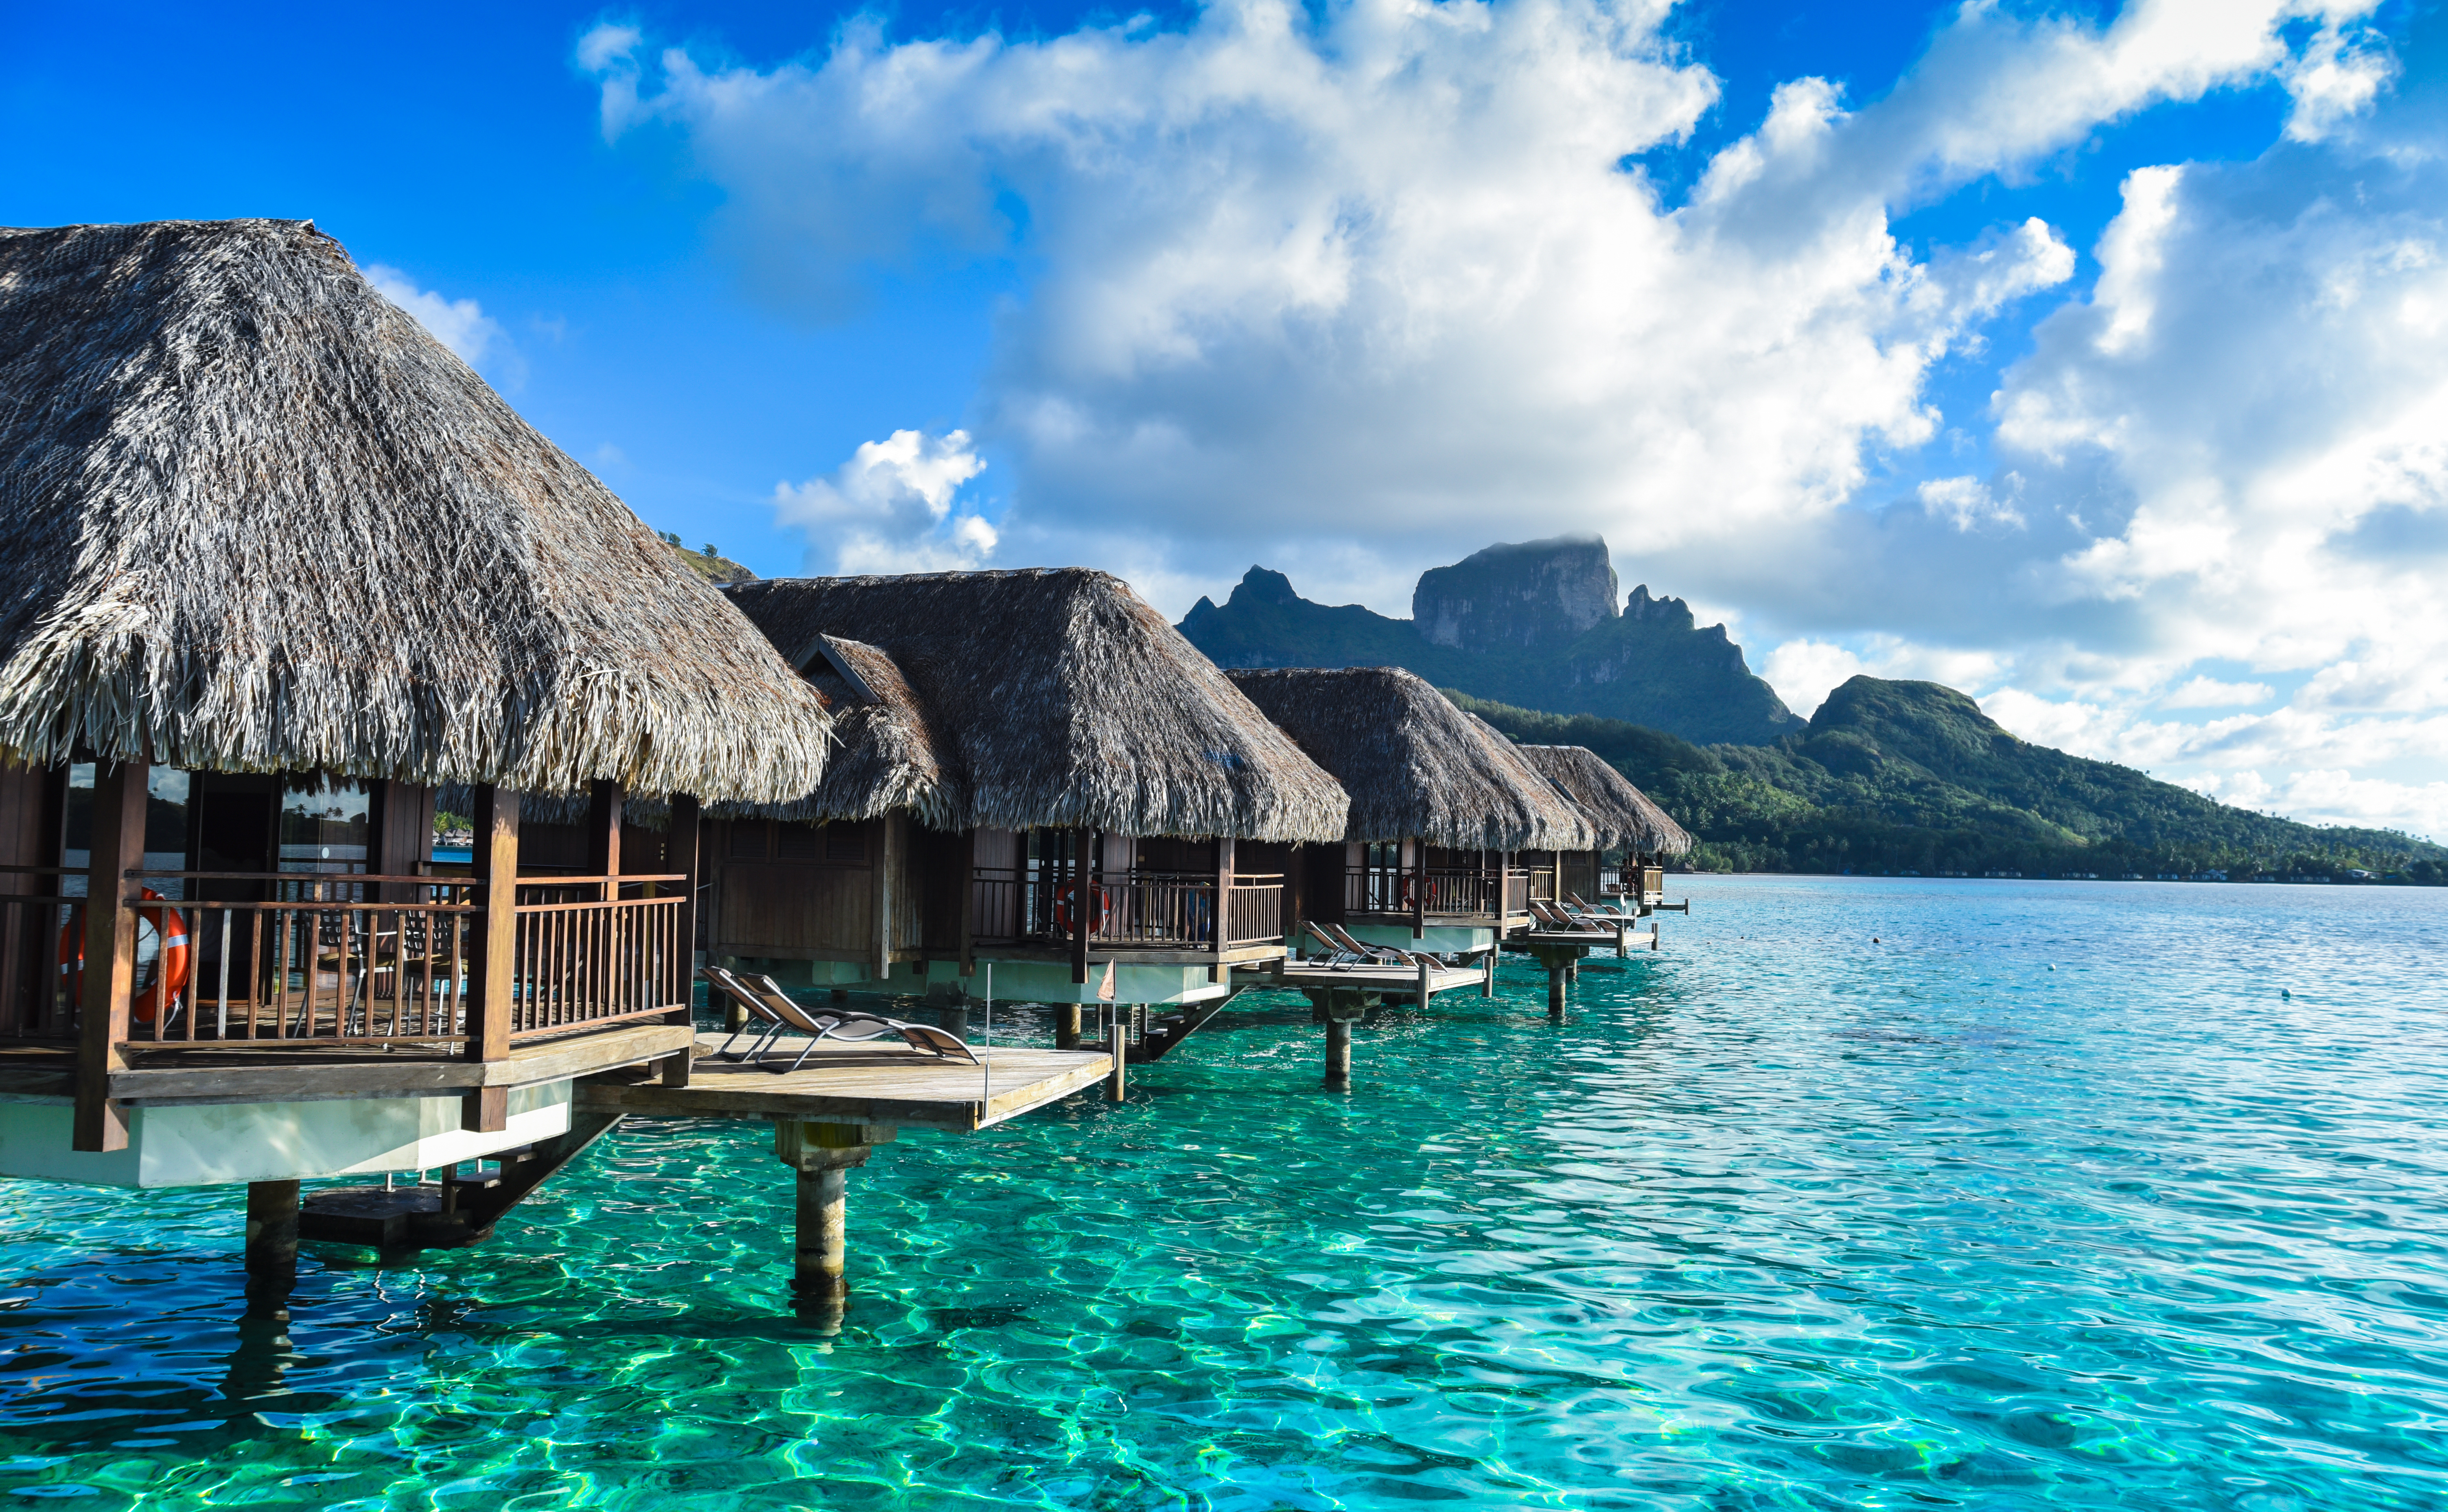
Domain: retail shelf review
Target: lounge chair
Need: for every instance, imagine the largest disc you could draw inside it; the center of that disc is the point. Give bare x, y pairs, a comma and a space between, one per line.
1337, 953
1382, 954
1561, 920
764, 999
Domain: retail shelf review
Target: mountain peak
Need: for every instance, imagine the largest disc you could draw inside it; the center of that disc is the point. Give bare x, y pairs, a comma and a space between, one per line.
1532, 623
1532, 594
1263, 586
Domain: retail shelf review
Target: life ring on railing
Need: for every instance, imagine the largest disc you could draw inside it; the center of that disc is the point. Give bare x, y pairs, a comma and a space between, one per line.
161, 940
1410, 889
1064, 920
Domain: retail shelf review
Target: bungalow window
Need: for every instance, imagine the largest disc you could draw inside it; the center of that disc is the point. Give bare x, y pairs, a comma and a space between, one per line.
843, 843
748, 840
165, 828
795, 842
325, 825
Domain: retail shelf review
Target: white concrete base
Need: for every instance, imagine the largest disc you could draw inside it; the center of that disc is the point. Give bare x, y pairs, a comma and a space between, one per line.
1050, 982
1439, 939
216, 1144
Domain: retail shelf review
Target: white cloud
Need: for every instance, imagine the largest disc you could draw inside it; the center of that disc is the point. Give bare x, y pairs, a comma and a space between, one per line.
2208, 693
890, 508
459, 324
1372, 286
1805, 672
1966, 502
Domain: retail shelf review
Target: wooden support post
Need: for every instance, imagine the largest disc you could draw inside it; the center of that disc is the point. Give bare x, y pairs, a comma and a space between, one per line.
1487, 978
1504, 891
1066, 1026
891, 842
270, 1246
492, 973
1427, 971
680, 845
1556, 991
109, 953
969, 903
1083, 902
1117, 1040
1223, 905
1420, 888
604, 805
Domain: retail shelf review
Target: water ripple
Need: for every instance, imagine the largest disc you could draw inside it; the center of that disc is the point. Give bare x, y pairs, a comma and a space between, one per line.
2050, 1198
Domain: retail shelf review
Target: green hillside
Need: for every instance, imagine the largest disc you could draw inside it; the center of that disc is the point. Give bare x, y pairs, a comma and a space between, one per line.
1913, 778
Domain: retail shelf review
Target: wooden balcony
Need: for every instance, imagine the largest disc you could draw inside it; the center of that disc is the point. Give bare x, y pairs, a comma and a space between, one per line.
1451, 896
273, 986
1149, 910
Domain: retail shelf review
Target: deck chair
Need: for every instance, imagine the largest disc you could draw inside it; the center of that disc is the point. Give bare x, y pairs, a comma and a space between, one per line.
1585, 909
755, 1015
1337, 953
820, 1025
1557, 918
1378, 954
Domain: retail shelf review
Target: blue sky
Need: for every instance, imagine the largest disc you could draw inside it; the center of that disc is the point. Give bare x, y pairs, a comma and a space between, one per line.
1802, 307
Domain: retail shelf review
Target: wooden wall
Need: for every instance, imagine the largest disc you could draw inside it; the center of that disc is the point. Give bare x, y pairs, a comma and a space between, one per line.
808, 893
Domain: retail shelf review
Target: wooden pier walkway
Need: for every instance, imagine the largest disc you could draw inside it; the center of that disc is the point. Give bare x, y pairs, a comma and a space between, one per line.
876, 1081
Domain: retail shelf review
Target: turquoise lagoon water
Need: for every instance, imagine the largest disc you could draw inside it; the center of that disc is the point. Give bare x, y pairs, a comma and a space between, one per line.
2061, 1194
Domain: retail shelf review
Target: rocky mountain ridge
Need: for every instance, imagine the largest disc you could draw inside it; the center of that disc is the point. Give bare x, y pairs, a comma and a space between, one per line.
1536, 624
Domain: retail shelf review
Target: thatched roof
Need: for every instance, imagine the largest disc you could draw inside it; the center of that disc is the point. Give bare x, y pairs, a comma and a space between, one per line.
1416, 767
1057, 698
1620, 811
254, 516
889, 758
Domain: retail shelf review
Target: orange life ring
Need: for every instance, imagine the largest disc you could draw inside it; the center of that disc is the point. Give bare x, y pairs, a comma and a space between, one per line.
1063, 920
172, 960
1410, 892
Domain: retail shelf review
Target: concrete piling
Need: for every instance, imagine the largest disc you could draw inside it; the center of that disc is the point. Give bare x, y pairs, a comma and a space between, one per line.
271, 1247
823, 1156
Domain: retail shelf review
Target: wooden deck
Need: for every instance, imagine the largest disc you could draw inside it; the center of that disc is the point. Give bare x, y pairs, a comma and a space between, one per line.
1620, 940
871, 1083
270, 1072
1392, 980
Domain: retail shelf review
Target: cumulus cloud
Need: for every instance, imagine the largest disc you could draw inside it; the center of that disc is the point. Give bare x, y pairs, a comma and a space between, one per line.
459, 324
2208, 693
1381, 283
890, 508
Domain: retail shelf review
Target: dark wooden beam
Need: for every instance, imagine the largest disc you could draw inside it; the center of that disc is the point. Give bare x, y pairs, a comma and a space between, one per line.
492, 984
109, 953
1223, 902
1082, 901
969, 903
604, 805
1420, 888
680, 847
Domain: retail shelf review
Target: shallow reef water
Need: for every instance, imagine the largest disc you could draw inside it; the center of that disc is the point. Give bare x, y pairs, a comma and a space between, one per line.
2082, 1195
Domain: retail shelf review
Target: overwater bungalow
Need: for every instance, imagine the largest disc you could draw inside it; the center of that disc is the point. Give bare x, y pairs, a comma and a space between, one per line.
1624, 820
1042, 786
279, 566
1442, 810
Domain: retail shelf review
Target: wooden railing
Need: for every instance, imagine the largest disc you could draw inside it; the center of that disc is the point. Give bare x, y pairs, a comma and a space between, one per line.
1146, 910
592, 961
324, 959
1451, 891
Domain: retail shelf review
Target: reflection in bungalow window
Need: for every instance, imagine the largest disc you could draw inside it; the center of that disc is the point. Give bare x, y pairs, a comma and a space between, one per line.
324, 824
166, 829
